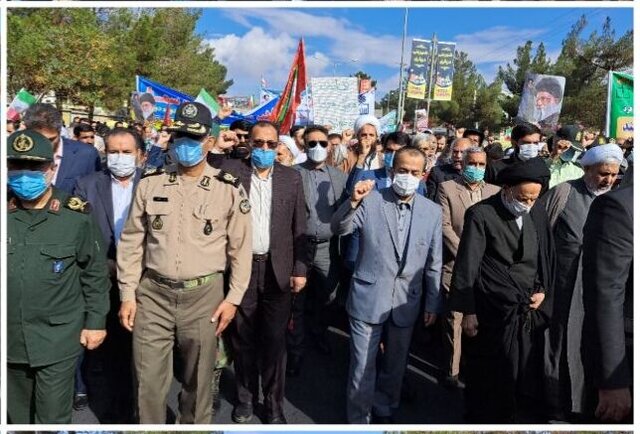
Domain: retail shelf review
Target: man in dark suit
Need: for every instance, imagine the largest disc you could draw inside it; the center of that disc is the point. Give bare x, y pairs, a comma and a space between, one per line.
278, 270
73, 159
447, 172
525, 139
607, 273
110, 193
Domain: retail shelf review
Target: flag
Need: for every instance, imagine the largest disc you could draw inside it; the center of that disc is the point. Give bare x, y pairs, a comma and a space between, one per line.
20, 104
251, 103
285, 112
620, 105
211, 103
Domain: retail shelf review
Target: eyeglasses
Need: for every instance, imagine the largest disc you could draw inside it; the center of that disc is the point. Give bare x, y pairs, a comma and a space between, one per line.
314, 143
272, 144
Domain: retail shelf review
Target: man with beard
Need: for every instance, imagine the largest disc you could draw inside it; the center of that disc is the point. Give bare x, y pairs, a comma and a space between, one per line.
568, 205
548, 100
525, 139
447, 172
502, 282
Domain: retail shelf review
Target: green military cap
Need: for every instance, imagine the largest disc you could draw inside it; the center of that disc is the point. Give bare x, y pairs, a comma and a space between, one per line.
29, 145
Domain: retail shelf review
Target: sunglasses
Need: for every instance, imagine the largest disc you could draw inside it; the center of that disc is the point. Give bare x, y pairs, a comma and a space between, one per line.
314, 143
272, 144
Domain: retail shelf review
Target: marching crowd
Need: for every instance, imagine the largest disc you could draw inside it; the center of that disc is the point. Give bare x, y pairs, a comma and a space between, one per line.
182, 251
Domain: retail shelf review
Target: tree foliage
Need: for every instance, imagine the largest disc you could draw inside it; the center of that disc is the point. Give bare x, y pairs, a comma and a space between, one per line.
91, 56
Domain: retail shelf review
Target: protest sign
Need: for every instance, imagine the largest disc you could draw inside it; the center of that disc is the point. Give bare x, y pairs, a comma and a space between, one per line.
443, 88
151, 101
367, 101
388, 122
541, 100
419, 69
335, 102
620, 105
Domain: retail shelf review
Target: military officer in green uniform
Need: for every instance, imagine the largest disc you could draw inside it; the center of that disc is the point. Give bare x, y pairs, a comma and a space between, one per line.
57, 287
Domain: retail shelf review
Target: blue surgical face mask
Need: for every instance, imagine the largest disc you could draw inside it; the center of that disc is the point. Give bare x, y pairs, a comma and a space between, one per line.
263, 158
27, 184
188, 151
528, 151
388, 159
473, 174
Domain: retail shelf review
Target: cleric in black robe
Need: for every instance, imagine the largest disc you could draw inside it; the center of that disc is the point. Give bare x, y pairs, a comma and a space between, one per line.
502, 283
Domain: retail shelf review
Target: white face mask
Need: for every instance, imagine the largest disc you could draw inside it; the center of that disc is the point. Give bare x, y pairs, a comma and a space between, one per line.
405, 184
528, 151
515, 207
317, 154
121, 165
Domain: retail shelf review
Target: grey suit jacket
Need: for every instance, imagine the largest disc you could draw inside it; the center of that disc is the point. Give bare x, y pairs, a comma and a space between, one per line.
454, 198
381, 285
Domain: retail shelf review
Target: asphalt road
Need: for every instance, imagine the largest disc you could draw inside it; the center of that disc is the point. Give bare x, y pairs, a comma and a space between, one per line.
317, 396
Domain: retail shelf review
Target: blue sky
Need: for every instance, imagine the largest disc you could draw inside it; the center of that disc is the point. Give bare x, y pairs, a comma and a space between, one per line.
255, 42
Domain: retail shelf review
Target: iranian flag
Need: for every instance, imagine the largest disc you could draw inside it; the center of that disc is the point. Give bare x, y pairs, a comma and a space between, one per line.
206, 99
285, 112
20, 104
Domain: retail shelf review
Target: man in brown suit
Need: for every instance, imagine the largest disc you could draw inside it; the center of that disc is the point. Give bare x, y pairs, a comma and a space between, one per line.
456, 196
279, 269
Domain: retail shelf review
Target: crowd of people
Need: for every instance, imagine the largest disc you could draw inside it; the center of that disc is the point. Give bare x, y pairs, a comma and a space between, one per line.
175, 253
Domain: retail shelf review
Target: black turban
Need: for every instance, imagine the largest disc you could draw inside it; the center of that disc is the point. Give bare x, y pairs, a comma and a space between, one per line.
147, 97
532, 170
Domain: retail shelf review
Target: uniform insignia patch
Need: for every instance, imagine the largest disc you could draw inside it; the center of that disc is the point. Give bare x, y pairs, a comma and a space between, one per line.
173, 176
151, 172
76, 204
58, 266
157, 223
190, 111
23, 143
205, 181
208, 228
228, 178
245, 206
54, 205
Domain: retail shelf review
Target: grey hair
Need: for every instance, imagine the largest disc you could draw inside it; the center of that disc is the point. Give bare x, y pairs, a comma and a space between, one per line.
472, 150
419, 138
44, 116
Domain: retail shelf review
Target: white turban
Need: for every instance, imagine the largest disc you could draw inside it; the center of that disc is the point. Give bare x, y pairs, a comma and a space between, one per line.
290, 144
601, 153
363, 120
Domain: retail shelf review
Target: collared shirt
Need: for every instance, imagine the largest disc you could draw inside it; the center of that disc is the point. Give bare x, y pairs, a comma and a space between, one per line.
57, 159
320, 212
121, 196
475, 194
562, 171
260, 199
403, 213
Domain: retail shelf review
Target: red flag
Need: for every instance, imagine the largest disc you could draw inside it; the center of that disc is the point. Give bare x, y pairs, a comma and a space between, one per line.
285, 112
167, 116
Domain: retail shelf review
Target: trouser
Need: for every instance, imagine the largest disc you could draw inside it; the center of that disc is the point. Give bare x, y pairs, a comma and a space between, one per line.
368, 388
259, 339
80, 387
319, 294
452, 340
169, 320
41, 395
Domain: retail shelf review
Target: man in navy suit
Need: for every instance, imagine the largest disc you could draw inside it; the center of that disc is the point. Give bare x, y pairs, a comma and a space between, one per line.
110, 193
386, 294
73, 159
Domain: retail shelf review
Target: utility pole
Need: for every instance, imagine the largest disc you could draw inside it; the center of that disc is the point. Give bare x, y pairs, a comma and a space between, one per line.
475, 94
401, 84
432, 67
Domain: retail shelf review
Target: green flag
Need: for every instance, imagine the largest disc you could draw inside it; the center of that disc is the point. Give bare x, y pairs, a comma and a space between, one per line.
208, 100
620, 105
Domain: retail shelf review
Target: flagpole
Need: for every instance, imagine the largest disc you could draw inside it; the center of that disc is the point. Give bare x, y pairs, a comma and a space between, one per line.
434, 48
608, 119
400, 85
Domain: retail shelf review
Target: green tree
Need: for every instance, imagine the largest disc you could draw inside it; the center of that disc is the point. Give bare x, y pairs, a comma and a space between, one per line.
361, 75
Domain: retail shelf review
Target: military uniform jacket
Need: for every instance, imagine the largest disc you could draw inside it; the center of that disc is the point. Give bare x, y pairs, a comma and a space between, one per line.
58, 281
183, 229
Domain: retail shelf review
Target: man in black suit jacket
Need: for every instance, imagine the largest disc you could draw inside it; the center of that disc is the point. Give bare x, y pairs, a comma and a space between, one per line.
73, 159
110, 193
447, 172
278, 270
607, 275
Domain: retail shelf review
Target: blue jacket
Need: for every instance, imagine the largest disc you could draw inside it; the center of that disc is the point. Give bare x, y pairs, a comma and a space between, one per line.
78, 160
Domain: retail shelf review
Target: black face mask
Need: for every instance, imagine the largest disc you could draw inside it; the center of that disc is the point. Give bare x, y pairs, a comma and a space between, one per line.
240, 152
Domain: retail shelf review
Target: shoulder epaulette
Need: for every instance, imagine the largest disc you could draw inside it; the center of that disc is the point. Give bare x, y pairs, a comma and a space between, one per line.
151, 172
74, 203
228, 178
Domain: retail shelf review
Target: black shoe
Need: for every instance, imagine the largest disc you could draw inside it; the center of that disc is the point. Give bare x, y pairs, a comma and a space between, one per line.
242, 413
382, 420
277, 420
452, 382
294, 364
215, 390
80, 401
